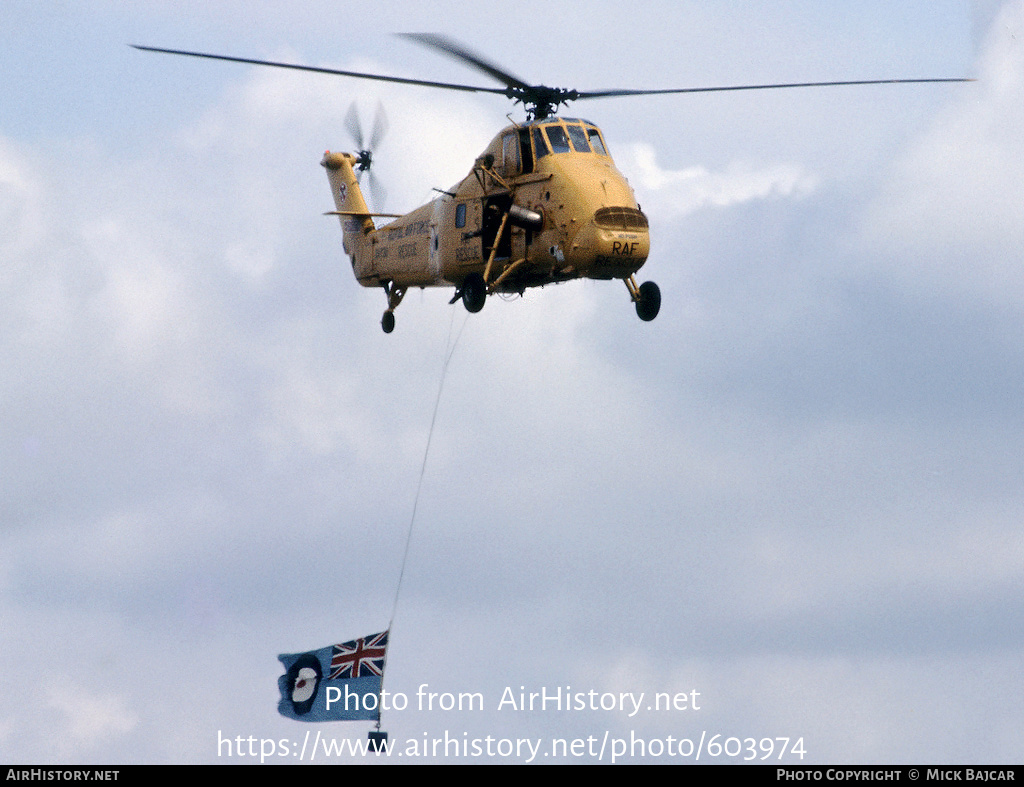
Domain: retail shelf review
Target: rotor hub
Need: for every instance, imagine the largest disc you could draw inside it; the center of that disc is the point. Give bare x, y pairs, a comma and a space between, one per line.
541, 101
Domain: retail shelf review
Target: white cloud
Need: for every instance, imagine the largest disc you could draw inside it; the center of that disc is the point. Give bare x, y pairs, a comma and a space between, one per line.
19, 203
212, 432
86, 719
953, 213
672, 193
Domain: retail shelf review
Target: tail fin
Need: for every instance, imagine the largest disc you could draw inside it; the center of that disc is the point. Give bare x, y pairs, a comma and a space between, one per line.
356, 222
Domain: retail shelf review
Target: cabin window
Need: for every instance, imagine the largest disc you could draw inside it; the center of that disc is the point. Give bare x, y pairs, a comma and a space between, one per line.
578, 137
559, 141
596, 141
460, 215
540, 146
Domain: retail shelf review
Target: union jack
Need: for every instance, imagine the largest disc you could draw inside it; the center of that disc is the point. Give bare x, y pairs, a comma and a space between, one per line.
359, 658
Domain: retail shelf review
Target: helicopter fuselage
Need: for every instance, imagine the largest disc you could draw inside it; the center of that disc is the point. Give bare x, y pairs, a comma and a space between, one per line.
544, 203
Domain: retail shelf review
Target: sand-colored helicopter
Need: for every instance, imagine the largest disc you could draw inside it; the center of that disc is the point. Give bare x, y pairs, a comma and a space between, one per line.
543, 204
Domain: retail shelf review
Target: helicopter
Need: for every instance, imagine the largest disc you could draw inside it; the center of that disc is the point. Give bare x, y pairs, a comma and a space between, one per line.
543, 204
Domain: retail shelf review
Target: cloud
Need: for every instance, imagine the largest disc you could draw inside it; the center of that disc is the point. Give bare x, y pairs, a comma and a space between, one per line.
19, 202
211, 448
88, 718
674, 193
952, 215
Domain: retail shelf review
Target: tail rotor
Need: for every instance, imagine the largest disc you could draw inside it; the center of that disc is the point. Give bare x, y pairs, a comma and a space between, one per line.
364, 155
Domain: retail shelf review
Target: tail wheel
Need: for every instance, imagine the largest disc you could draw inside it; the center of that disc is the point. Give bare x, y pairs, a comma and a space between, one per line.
649, 303
474, 292
387, 322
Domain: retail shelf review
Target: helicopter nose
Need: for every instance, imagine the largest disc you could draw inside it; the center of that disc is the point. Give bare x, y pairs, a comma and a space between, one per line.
615, 242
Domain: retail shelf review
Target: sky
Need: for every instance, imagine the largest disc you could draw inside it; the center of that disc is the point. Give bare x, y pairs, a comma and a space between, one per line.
795, 498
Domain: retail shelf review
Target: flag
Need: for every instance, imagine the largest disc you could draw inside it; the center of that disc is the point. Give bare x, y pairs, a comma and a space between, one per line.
338, 683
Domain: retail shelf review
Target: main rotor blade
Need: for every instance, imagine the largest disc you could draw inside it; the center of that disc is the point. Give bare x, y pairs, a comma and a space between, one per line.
539, 100
335, 71
613, 93
460, 52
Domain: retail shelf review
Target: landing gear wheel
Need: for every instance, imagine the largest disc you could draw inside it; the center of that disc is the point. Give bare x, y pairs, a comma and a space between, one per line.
649, 305
387, 322
474, 292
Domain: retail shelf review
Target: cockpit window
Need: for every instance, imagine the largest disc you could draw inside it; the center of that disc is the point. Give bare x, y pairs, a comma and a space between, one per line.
539, 145
596, 141
556, 136
525, 149
578, 137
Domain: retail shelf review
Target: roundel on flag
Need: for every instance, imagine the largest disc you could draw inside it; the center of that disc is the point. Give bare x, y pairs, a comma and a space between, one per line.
303, 682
